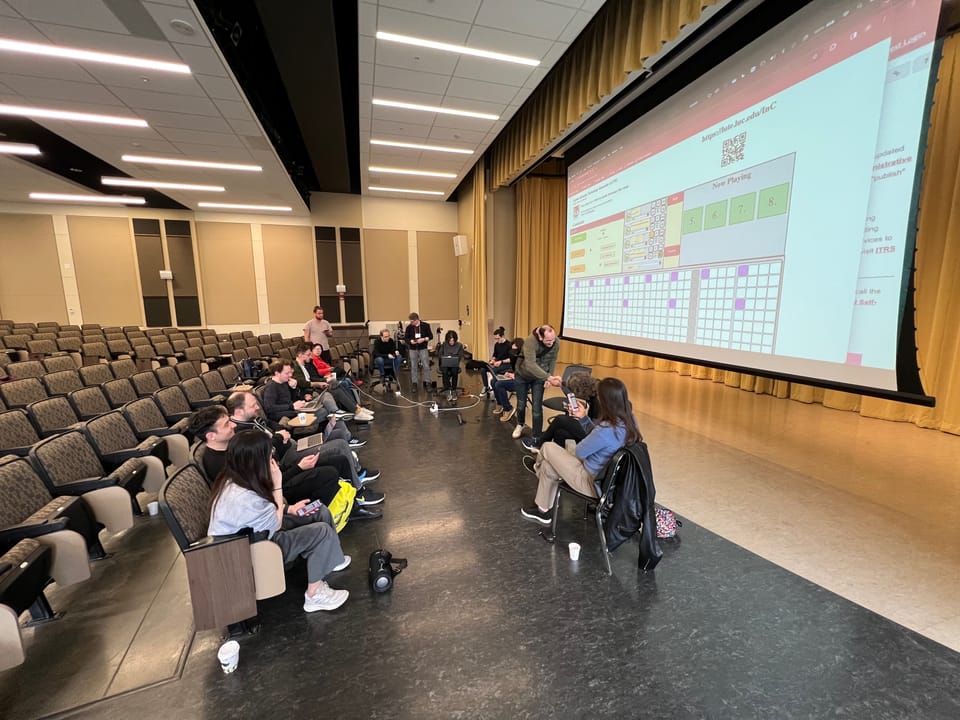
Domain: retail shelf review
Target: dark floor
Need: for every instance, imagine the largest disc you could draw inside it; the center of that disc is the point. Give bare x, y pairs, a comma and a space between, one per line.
488, 621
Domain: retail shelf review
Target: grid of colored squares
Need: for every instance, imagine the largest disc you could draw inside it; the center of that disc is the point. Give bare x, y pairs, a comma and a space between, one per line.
769, 202
737, 306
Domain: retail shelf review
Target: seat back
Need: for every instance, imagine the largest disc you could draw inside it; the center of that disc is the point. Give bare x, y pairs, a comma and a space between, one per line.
185, 503
95, 374
172, 401
22, 492
195, 390
167, 376
43, 346
214, 382
144, 415
64, 459
52, 415
58, 363
186, 370
230, 374
89, 402
62, 382
16, 432
570, 370
123, 368
119, 392
109, 433
26, 369
69, 344
20, 393
94, 350
145, 383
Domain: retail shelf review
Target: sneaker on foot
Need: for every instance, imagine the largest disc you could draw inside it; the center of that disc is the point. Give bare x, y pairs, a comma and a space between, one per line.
344, 565
363, 416
366, 497
497, 410
342, 415
368, 475
531, 445
537, 515
517, 432
326, 598
357, 443
529, 464
508, 414
483, 393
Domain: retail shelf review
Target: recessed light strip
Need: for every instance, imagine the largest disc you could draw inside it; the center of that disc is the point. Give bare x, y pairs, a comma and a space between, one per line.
416, 146
48, 113
12, 148
403, 171
61, 197
190, 163
130, 182
461, 49
67, 53
378, 188
435, 109
233, 206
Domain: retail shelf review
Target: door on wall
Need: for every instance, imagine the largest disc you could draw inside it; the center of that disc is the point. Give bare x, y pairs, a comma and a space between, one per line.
167, 246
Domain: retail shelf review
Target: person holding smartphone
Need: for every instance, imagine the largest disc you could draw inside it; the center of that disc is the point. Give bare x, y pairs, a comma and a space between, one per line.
583, 391
418, 336
615, 427
248, 493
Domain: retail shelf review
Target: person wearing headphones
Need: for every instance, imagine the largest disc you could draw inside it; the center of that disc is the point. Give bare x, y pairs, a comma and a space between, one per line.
534, 369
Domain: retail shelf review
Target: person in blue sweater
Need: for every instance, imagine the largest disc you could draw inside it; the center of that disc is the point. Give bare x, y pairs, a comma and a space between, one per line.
614, 428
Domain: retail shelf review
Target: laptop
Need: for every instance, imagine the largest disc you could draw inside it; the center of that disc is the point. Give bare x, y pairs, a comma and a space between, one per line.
311, 441
312, 405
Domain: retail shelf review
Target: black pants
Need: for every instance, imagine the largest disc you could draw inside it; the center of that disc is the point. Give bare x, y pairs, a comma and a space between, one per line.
563, 428
319, 483
450, 376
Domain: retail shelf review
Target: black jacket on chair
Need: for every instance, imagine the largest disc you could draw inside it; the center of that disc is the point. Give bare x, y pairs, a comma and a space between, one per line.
630, 504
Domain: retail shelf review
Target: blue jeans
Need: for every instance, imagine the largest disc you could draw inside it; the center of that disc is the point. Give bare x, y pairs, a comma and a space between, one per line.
501, 391
535, 388
381, 360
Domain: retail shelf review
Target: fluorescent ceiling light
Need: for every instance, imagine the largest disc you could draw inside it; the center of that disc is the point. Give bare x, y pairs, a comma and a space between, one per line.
56, 51
130, 182
233, 206
435, 109
404, 190
118, 199
461, 49
416, 146
402, 171
12, 148
47, 113
190, 163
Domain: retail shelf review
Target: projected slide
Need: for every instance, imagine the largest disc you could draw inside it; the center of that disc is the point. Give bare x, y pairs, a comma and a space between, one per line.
760, 218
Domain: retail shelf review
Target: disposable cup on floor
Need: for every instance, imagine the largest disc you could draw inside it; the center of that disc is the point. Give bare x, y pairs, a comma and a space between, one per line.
229, 656
574, 551
153, 508
302, 417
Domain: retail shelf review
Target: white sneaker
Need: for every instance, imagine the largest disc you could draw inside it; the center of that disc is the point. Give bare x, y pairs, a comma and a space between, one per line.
517, 432
326, 598
363, 416
344, 565
365, 409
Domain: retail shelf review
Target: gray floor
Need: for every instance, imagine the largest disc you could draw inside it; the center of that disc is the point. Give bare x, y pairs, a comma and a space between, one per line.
488, 621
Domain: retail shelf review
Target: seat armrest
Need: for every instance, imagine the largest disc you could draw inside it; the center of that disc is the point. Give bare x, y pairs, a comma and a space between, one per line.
129, 475
18, 451
79, 487
213, 540
12, 535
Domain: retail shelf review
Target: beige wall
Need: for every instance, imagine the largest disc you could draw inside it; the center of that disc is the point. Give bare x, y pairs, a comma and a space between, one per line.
227, 273
385, 257
438, 276
291, 272
31, 288
106, 270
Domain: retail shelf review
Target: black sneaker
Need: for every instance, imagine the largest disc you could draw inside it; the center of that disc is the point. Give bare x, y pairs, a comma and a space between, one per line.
366, 497
356, 443
537, 515
362, 513
368, 475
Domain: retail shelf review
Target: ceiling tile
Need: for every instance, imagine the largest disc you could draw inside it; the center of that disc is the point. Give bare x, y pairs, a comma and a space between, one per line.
388, 77
529, 17
163, 14
152, 81
42, 67
422, 26
197, 137
219, 88
593, 5
91, 14
161, 119
7, 11
536, 77
365, 73
479, 90
399, 128
462, 10
479, 69
555, 53
245, 127
202, 60
367, 18
408, 96
19, 29
414, 58
124, 44
512, 43
575, 26
459, 135
164, 101
233, 109
42, 89
366, 47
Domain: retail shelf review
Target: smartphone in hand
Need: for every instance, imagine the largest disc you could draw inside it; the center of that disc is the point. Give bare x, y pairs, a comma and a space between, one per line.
572, 401
310, 508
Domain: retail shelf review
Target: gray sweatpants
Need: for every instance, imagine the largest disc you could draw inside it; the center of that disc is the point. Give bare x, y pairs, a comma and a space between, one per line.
316, 542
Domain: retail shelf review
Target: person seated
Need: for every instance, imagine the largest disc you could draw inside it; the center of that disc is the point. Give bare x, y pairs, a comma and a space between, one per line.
499, 363
386, 354
245, 414
309, 383
566, 427
505, 385
248, 494
282, 397
338, 392
615, 427
451, 355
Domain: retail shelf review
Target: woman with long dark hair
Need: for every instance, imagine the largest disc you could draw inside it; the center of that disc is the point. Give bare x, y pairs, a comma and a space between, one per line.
614, 428
248, 494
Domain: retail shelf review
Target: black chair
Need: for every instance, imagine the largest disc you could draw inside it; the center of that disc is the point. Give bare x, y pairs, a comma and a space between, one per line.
560, 403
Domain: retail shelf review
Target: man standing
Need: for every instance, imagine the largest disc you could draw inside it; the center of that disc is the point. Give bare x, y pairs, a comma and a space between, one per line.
317, 330
534, 369
418, 337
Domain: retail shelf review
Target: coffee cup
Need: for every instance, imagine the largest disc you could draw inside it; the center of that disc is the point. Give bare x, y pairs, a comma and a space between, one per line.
302, 417
153, 508
229, 656
574, 551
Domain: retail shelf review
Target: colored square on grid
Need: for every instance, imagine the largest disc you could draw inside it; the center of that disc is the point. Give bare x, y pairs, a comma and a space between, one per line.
626, 302
705, 273
715, 215
854, 358
674, 276
626, 280
739, 304
672, 303
692, 221
774, 201
742, 208
648, 278
589, 303
743, 270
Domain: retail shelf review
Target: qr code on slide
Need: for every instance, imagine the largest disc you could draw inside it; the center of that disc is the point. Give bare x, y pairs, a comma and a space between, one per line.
733, 149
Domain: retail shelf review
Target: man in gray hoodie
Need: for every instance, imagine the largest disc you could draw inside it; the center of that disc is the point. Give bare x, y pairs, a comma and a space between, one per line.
534, 370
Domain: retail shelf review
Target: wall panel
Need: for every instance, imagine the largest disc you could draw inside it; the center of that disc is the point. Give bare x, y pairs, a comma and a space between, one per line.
31, 288
106, 270
438, 275
388, 274
227, 273
290, 270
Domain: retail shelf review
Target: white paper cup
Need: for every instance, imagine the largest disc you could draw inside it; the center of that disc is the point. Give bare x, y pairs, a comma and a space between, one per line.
229, 656
153, 508
574, 551
302, 417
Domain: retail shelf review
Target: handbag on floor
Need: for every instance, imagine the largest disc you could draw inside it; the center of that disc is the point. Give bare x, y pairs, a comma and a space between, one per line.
342, 504
667, 522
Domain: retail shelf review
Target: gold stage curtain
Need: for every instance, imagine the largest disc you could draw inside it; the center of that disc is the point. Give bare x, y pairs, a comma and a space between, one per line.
478, 291
540, 262
620, 37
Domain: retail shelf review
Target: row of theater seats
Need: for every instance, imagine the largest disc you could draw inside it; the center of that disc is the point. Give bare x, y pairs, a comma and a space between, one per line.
74, 442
